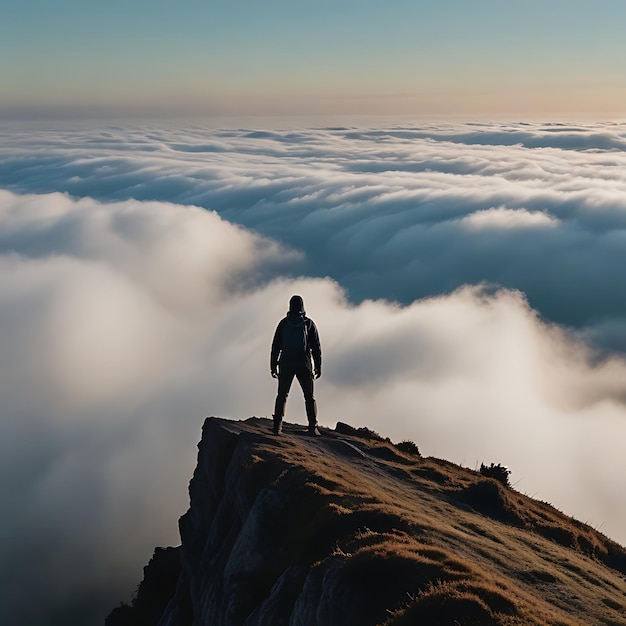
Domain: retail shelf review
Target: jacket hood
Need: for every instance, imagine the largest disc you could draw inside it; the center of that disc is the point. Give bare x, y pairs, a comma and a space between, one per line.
296, 306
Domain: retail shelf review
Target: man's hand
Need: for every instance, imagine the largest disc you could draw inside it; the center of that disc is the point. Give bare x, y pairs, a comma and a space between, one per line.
274, 373
318, 372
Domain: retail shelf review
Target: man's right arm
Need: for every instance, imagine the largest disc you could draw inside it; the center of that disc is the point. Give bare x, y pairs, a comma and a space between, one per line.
275, 351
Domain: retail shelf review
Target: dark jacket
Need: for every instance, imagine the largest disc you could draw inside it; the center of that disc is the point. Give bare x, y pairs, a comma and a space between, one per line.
313, 344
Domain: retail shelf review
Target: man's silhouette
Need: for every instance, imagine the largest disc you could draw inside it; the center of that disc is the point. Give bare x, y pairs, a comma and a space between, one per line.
295, 341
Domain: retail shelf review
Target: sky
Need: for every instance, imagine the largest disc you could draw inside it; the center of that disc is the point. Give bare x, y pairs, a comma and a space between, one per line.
72, 58
466, 280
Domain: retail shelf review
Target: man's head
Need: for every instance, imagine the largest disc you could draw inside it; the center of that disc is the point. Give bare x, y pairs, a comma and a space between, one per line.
296, 305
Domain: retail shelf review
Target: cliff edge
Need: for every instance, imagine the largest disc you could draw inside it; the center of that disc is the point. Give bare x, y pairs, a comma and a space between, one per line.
350, 529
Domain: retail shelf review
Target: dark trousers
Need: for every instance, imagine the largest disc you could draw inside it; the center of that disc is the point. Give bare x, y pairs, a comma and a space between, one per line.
305, 378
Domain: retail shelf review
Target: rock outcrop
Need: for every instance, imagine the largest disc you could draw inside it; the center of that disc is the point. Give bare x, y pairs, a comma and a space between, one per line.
349, 529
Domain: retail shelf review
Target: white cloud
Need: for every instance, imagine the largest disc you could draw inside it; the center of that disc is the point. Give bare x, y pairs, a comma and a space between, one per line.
118, 340
101, 309
389, 213
501, 217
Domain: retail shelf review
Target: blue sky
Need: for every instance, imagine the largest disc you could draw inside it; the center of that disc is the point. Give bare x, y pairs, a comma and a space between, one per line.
484, 58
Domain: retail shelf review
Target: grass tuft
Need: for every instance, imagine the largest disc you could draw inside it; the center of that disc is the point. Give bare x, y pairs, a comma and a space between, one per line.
499, 472
408, 447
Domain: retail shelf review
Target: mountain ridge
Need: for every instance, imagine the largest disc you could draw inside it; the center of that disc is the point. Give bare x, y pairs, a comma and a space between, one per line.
348, 528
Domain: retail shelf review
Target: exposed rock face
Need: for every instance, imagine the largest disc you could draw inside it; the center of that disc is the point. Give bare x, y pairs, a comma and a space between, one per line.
347, 529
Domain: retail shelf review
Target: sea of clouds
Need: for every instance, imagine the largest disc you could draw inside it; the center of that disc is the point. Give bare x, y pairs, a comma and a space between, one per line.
467, 282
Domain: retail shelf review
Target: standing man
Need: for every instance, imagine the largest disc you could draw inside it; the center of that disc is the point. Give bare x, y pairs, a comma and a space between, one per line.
295, 341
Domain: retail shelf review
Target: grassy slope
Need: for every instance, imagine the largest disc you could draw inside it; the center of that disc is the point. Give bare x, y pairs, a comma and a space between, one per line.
456, 545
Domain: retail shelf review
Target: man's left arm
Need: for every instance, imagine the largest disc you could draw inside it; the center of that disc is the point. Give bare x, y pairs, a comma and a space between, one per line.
316, 349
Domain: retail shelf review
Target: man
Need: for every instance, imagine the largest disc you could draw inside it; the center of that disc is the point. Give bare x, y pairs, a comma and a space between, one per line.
295, 341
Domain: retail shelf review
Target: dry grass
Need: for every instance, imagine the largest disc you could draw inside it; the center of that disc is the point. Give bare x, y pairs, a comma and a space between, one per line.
435, 543
458, 603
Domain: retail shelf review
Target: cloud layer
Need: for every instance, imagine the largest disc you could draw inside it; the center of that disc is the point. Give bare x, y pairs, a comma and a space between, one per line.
124, 323
397, 213
105, 315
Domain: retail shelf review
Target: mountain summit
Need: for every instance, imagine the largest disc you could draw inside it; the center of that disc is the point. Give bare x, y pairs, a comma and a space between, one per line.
350, 529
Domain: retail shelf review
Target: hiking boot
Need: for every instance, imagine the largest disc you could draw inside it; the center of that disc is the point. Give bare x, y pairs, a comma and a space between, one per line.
278, 426
313, 431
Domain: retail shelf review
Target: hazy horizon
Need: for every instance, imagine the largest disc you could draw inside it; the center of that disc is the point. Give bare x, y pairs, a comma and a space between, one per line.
485, 59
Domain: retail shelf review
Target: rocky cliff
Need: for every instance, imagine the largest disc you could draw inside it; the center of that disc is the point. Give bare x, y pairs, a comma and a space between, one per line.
349, 529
